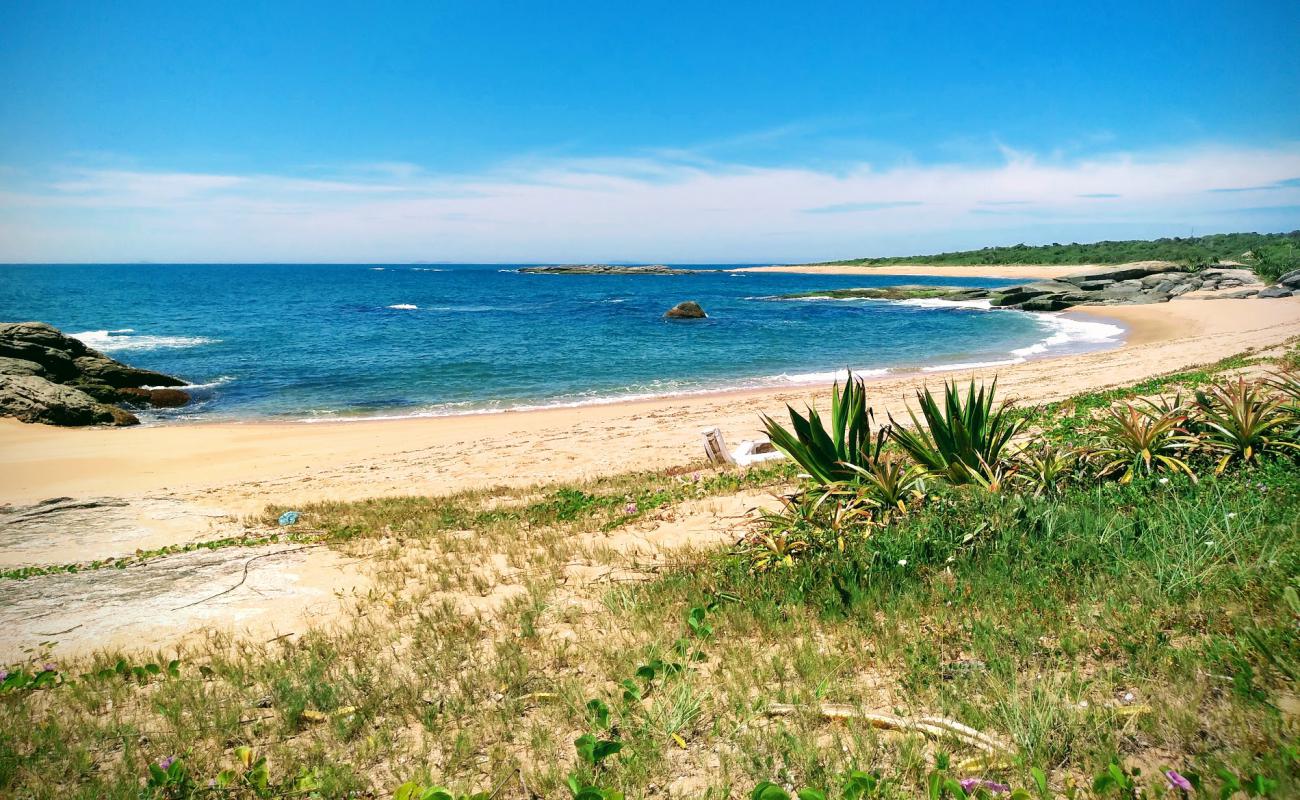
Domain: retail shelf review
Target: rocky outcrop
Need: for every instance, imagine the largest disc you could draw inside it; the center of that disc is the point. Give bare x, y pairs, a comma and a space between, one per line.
687, 310
47, 376
1126, 284
607, 269
33, 399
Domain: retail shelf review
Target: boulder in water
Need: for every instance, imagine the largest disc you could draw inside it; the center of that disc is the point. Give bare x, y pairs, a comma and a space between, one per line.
687, 310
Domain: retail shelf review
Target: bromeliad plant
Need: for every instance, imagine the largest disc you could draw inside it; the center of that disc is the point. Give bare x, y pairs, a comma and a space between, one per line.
963, 441
1044, 469
892, 484
830, 456
1143, 439
1242, 422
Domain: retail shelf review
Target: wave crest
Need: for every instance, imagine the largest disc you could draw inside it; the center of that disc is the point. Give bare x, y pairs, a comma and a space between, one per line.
124, 339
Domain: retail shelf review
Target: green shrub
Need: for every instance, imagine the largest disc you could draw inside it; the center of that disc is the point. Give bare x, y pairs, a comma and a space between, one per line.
964, 440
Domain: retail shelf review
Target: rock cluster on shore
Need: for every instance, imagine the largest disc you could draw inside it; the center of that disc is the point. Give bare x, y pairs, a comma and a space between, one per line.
1148, 282
607, 269
47, 376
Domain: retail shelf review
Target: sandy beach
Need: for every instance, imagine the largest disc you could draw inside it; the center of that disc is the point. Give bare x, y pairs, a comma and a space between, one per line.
242, 467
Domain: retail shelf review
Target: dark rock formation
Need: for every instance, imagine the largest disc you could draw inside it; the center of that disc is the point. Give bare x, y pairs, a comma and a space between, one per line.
607, 269
1126, 284
33, 399
46, 376
687, 310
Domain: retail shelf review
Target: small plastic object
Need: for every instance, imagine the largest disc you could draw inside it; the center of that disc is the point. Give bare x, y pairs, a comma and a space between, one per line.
288, 517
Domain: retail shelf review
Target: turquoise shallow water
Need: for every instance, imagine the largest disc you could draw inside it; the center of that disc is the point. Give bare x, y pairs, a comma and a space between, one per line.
308, 341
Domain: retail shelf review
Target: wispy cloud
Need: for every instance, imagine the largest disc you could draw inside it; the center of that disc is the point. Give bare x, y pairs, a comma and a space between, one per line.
644, 207
847, 208
1289, 183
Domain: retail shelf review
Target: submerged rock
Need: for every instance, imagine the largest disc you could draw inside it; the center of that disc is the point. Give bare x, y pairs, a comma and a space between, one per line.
687, 310
49, 377
157, 398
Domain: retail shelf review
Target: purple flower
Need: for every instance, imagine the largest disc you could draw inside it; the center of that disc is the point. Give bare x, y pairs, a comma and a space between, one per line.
969, 785
630, 508
4, 673
166, 763
51, 667
1178, 781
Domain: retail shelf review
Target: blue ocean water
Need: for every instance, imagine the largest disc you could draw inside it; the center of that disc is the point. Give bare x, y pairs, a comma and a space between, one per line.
315, 341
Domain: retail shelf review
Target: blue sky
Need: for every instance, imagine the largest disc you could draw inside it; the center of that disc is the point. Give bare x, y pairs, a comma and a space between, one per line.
717, 131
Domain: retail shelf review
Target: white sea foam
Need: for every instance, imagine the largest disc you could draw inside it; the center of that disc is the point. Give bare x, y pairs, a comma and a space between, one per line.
123, 339
427, 269
972, 365
404, 307
376, 269
825, 377
200, 387
932, 302
1065, 332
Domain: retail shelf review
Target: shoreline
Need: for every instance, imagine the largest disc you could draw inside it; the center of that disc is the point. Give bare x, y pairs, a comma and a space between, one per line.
244, 466
1010, 271
789, 384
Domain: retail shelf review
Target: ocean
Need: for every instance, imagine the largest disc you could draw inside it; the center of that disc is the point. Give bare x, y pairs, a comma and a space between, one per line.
336, 342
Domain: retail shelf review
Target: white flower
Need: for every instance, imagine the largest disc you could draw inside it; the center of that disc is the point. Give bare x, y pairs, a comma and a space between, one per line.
902, 562
1164, 481
1232, 514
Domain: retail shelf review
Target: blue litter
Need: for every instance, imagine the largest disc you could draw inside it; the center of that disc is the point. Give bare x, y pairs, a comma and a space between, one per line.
288, 517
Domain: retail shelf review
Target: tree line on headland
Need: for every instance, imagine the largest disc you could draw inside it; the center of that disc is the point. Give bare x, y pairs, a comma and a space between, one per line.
1270, 248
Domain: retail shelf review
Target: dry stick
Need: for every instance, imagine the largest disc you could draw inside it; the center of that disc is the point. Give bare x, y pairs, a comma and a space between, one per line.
245, 575
932, 726
60, 633
502, 782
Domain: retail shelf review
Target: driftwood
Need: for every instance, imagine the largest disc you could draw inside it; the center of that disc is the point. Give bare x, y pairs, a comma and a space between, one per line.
930, 726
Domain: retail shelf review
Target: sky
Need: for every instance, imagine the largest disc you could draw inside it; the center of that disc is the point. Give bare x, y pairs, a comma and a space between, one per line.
723, 132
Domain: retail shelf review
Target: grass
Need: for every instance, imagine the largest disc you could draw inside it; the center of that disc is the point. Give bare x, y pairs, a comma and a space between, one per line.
1110, 628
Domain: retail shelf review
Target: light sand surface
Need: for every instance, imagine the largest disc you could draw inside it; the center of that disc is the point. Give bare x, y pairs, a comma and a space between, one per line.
1016, 271
241, 467
170, 484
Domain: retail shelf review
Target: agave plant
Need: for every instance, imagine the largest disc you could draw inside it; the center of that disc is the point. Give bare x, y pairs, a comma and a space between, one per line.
1145, 438
1043, 469
964, 440
829, 456
1241, 421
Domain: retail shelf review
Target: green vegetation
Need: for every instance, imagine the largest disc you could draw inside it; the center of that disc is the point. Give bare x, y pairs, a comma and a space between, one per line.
902, 292
1275, 251
891, 630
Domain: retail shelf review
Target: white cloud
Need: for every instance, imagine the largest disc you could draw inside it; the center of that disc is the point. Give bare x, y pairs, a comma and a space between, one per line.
637, 208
